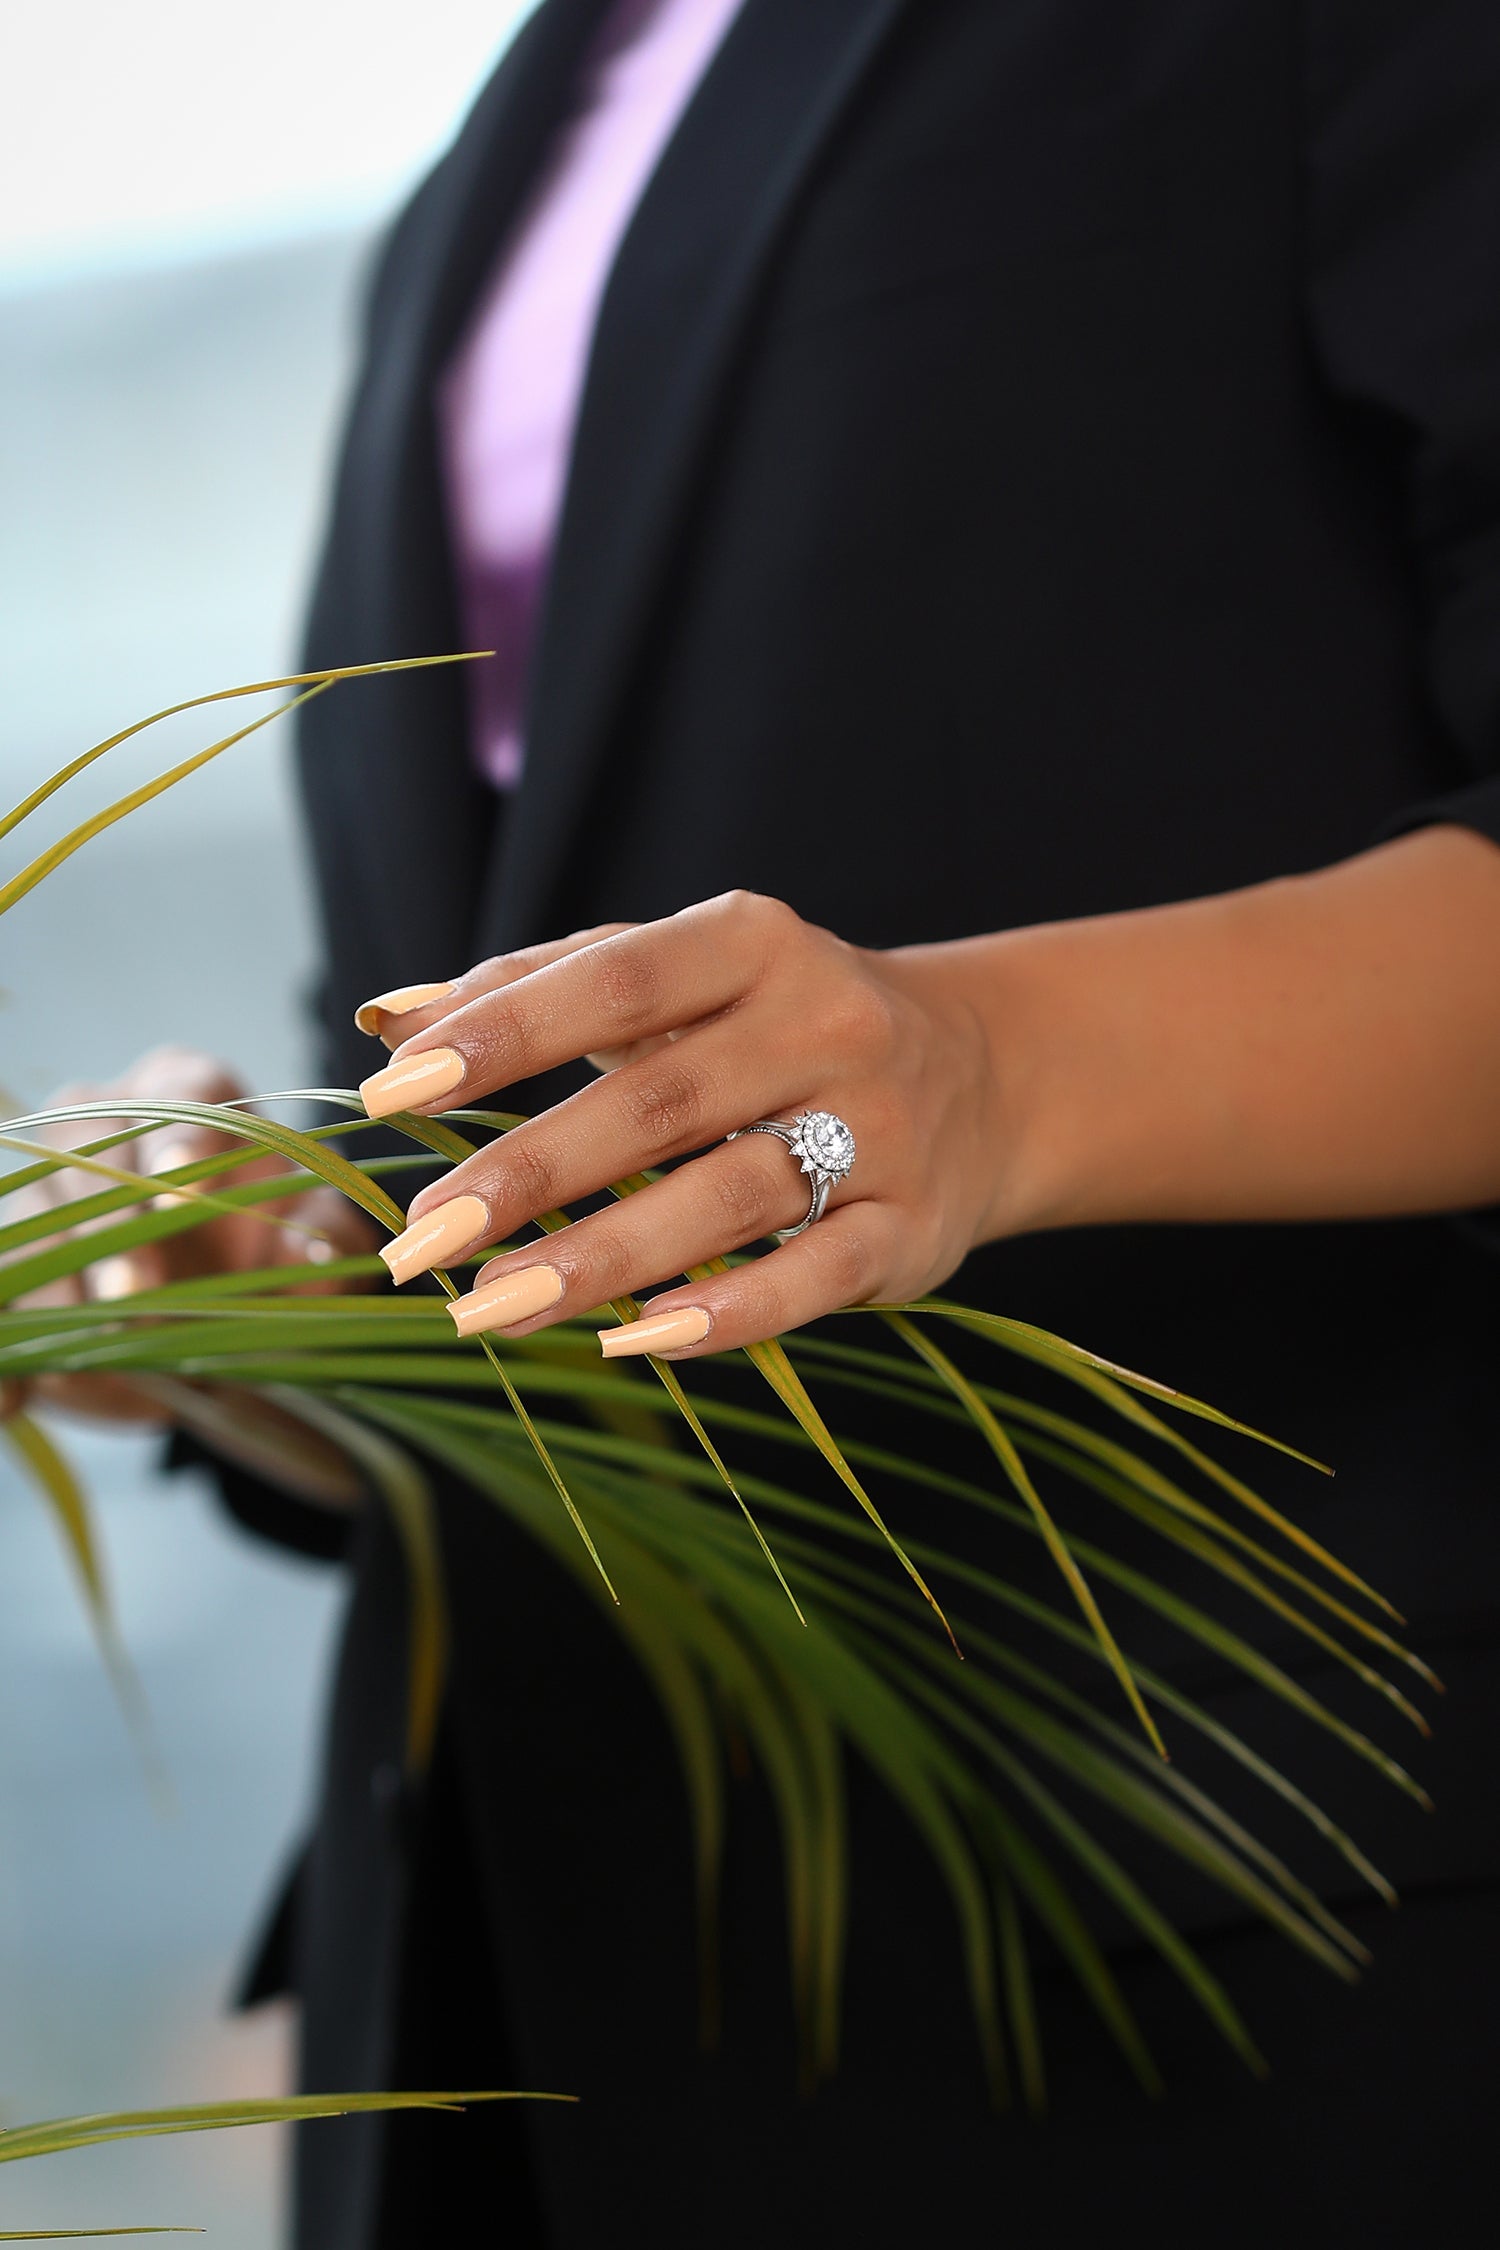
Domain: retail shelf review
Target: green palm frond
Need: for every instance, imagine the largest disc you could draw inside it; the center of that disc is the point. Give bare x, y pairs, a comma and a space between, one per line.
59, 2135
803, 1626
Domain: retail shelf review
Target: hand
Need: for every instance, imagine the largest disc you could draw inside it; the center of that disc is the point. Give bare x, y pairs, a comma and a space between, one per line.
307, 1229
732, 1011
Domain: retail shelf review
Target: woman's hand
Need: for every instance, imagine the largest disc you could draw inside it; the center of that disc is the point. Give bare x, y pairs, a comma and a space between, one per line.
730, 1012
1323, 1046
304, 1230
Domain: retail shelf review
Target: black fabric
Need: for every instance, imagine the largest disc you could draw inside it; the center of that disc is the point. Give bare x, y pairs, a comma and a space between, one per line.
427, 2169
1369, 2128
321, 1534
1067, 437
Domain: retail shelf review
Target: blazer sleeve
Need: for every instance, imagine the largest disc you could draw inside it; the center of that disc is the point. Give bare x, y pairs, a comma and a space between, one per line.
1403, 287
319, 1534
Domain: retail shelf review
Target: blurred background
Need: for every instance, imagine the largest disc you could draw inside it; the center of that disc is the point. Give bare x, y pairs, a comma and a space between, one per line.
188, 196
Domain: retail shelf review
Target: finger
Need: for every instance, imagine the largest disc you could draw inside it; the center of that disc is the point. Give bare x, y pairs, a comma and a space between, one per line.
400, 1014
657, 978
178, 1074
125, 1274
643, 1115
59, 1191
220, 1241
253, 1431
842, 1260
734, 1195
612, 1058
66, 1186
98, 1398
320, 1227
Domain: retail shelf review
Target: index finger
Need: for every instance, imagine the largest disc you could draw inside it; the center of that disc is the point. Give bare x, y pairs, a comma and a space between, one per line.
642, 982
398, 1015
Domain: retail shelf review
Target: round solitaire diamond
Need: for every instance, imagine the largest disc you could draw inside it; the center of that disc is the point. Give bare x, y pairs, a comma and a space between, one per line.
827, 1144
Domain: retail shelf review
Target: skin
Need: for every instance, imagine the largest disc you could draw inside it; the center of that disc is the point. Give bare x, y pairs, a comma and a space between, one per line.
301, 1231
1327, 1046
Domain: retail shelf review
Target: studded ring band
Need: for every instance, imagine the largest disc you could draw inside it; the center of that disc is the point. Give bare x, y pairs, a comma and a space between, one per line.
824, 1148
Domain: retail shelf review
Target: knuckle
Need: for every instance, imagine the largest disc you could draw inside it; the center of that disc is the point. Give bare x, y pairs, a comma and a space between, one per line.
886, 1121
748, 1202
497, 1037
665, 1103
858, 1021
757, 912
612, 1263
629, 989
850, 1263
529, 1173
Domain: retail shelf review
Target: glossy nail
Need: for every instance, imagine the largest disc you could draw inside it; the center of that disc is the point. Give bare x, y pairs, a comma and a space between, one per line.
660, 1332
400, 1001
406, 1085
514, 1297
440, 1234
120, 1276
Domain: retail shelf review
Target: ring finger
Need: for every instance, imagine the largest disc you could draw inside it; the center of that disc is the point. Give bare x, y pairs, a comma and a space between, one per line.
647, 1113
734, 1195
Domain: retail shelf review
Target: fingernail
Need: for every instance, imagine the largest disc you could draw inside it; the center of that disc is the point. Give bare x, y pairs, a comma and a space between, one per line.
399, 1002
421, 1078
438, 1235
168, 1158
516, 1296
112, 1278
662, 1332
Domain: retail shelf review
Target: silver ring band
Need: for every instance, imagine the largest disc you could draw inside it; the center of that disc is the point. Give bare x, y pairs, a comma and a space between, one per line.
824, 1148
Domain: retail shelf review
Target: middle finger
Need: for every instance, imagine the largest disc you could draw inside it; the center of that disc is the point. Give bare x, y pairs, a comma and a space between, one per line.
660, 977
734, 1195
665, 1105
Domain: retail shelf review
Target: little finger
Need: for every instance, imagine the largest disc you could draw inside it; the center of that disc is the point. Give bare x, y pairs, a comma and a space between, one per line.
396, 1016
842, 1260
736, 1194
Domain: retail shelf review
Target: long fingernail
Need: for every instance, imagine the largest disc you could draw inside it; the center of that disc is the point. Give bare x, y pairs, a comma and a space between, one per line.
661, 1332
421, 1078
516, 1296
398, 1002
172, 1154
114, 1277
438, 1235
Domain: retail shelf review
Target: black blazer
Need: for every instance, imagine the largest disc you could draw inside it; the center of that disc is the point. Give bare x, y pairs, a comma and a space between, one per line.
1036, 458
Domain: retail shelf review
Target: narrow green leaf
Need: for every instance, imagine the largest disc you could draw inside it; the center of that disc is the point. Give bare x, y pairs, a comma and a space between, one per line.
1019, 1998
90, 2234
408, 1497
57, 2134
1005, 1452
770, 1360
56, 781
52, 1474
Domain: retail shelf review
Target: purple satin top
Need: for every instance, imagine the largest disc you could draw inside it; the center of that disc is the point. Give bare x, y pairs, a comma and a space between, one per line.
509, 397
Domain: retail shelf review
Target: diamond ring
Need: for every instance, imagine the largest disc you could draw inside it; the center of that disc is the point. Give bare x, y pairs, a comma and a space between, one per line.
824, 1148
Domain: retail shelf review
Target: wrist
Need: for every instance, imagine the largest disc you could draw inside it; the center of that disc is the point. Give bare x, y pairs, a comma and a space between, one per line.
993, 996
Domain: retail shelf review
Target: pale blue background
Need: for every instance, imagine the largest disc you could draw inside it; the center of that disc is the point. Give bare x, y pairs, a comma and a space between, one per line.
186, 197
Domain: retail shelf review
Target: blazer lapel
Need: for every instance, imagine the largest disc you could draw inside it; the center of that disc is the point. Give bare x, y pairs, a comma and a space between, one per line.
684, 283
403, 841
476, 191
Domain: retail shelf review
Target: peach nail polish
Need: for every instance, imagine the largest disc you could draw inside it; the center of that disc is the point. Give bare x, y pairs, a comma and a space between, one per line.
400, 1001
119, 1276
514, 1297
661, 1332
440, 1234
408, 1085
